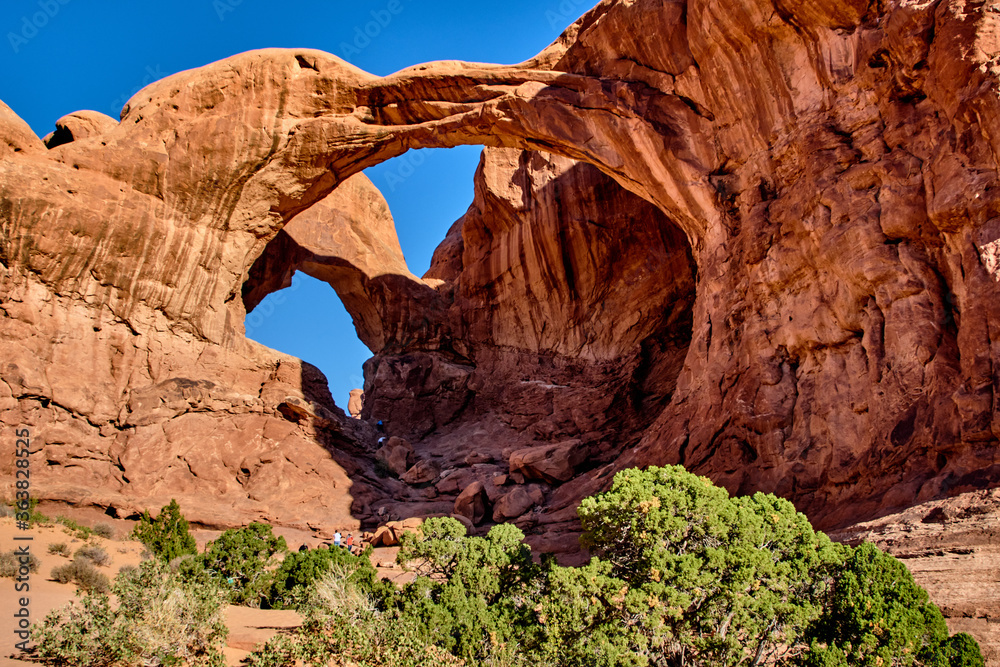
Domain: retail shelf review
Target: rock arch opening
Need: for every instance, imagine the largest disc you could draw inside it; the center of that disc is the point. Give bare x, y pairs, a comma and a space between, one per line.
556, 313
308, 320
427, 189
566, 317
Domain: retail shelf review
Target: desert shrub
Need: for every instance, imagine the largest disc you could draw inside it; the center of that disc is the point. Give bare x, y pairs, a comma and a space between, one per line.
59, 549
93, 553
63, 574
104, 530
681, 573
167, 535
291, 582
160, 620
80, 634
383, 470
877, 615
88, 578
81, 571
77, 530
12, 563
475, 593
343, 626
684, 572
238, 560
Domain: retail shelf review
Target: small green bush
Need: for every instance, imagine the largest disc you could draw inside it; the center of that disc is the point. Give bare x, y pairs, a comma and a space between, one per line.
291, 583
75, 529
167, 535
82, 572
343, 626
15, 508
383, 470
11, 563
960, 650
104, 530
160, 620
94, 554
238, 560
59, 549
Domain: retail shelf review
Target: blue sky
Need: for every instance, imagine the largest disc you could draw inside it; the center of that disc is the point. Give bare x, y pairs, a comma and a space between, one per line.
59, 56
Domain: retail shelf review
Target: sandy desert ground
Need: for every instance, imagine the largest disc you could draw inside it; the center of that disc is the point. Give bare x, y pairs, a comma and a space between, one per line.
248, 627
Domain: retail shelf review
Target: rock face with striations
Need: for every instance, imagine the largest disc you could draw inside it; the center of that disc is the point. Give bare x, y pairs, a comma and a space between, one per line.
758, 238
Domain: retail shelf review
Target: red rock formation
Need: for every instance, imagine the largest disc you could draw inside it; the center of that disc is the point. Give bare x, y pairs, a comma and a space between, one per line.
758, 238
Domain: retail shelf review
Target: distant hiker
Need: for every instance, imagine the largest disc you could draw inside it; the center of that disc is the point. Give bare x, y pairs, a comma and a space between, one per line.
380, 427
336, 539
350, 543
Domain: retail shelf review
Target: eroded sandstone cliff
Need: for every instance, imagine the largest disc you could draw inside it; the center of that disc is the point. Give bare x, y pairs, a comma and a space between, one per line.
758, 238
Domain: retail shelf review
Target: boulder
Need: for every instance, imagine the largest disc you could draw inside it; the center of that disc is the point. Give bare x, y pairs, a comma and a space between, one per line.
422, 472
397, 454
550, 463
473, 502
478, 457
513, 504
454, 480
388, 535
383, 537
355, 402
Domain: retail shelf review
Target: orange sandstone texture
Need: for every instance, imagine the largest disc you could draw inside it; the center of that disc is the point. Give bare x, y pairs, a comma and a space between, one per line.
755, 237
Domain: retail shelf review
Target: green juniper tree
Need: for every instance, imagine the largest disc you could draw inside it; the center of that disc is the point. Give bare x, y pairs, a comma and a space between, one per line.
475, 593
292, 581
684, 574
238, 560
681, 575
877, 616
167, 535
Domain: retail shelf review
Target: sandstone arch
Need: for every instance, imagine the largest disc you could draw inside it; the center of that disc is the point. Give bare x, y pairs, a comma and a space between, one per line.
347, 240
832, 167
